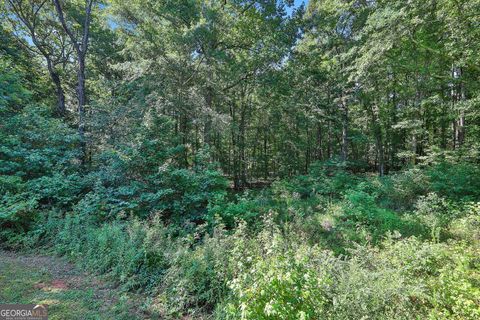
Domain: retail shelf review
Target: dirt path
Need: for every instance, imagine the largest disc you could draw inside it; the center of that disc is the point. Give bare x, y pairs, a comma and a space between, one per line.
68, 292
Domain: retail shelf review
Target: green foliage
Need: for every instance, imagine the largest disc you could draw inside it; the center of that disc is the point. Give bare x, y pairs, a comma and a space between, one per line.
132, 254
455, 181
190, 103
37, 164
401, 190
12, 92
455, 293
448, 274
317, 257
300, 196
278, 279
180, 194
362, 214
435, 213
246, 208
195, 281
467, 226
272, 280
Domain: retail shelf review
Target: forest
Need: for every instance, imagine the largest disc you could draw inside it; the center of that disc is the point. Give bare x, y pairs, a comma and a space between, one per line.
241, 159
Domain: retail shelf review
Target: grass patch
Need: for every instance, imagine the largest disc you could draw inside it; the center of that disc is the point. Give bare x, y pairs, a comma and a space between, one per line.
68, 297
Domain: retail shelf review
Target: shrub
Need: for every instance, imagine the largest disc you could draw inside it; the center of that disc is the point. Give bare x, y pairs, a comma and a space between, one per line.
400, 191
456, 181
455, 293
368, 288
37, 160
196, 280
272, 280
467, 227
434, 213
244, 208
131, 253
293, 251
362, 213
277, 276
181, 194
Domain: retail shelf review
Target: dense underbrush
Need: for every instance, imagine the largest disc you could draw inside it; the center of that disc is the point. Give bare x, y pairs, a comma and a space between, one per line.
328, 245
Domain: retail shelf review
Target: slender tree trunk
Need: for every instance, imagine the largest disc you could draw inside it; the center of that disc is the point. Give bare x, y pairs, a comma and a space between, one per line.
344, 153
454, 134
443, 130
319, 142
380, 150
461, 129
461, 120
265, 154
307, 151
414, 148
81, 46
394, 135
242, 132
61, 110
208, 122
234, 153
81, 106
329, 140
377, 133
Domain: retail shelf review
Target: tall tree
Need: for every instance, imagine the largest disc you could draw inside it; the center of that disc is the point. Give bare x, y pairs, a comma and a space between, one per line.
80, 40
35, 30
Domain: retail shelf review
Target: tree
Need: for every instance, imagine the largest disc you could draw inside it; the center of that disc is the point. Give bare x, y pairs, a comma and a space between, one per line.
80, 44
35, 30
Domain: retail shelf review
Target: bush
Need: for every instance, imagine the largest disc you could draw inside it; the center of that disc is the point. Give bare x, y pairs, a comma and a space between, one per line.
277, 278
181, 194
467, 227
244, 208
401, 190
435, 213
368, 288
448, 275
403, 279
362, 215
274, 280
455, 294
196, 280
292, 251
131, 253
37, 160
456, 181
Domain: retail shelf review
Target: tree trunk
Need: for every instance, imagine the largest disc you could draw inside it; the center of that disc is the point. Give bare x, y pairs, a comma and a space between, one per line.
414, 149
234, 152
307, 151
61, 110
265, 154
319, 142
208, 122
377, 133
81, 106
461, 121
344, 154
380, 150
461, 129
81, 47
241, 144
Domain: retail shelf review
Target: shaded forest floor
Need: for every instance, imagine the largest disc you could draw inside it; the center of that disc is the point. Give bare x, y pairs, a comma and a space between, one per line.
68, 292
